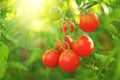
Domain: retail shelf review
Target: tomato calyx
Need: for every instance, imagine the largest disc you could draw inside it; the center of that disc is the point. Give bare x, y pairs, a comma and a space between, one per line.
60, 46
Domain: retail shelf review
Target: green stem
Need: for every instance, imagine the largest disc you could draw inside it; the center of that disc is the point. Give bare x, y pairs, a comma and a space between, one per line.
7, 41
111, 54
47, 73
88, 5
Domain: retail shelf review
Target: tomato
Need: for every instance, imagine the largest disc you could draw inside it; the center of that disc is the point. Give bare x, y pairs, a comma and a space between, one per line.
60, 47
50, 58
88, 23
68, 61
68, 39
67, 27
84, 46
24, 54
74, 47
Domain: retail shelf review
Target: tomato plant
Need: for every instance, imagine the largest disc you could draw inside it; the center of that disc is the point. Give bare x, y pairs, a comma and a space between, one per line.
87, 33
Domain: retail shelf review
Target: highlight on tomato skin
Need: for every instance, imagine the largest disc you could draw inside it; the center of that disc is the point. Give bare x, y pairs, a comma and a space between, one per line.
50, 58
67, 27
84, 46
88, 22
68, 39
69, 61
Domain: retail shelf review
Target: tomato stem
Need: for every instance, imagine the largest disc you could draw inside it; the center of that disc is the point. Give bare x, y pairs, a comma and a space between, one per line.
87, 5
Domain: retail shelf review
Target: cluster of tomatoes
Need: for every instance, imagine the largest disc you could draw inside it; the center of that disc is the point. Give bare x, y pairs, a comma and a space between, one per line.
67, 52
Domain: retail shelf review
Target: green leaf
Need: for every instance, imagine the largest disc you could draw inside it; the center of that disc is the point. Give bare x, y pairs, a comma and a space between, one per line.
74, 10
103, 58
105, 8
100, 57
18, 65
35, 55
115, 15
3, 58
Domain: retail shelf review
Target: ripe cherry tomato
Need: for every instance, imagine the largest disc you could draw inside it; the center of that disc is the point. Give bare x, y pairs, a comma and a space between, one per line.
67, 27
84, 46
60, 47
68, 39
88, 23
68, 61
50, 58
74, 47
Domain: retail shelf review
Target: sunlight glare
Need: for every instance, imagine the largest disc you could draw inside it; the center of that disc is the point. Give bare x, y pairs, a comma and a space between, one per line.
28, 12
36, 25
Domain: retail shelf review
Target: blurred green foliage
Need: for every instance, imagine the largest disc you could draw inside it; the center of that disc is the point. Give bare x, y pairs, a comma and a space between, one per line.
21, 48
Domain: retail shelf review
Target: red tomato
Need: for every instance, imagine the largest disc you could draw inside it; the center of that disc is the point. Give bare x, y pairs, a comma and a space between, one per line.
74, 46
67, 26
50, 58
68, 61
83, 47
68, 39
60, 47
88, 23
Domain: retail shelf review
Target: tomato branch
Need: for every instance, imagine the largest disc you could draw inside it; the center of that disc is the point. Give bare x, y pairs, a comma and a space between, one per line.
87, 5
7, 41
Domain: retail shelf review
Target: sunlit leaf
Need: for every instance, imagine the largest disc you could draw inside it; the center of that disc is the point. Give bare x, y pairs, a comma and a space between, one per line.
35, 55
3, 58
18, 66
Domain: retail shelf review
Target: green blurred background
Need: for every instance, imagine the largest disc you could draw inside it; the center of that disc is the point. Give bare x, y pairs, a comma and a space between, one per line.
29, 27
